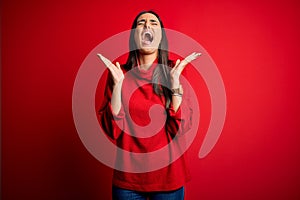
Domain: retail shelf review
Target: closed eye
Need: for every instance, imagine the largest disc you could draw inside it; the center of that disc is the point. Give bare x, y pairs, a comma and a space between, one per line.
153, 22
141, 22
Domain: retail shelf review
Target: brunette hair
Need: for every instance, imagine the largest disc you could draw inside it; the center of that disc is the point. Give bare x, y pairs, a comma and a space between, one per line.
160, 78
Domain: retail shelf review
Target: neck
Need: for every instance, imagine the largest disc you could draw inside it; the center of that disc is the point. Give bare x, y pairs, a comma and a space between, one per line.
146, 60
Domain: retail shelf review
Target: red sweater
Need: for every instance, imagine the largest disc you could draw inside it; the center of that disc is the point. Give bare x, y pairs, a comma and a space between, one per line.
135, 110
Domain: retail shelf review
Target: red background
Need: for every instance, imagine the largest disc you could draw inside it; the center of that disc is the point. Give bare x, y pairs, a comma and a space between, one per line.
255, 45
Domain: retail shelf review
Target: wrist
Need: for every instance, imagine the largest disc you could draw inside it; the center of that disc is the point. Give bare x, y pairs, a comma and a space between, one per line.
177, 91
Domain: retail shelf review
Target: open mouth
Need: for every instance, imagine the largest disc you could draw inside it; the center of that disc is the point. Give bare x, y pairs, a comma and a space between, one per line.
147, 37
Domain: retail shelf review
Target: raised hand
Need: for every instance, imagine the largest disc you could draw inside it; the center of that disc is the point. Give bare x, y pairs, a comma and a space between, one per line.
178, 68
115, 70
118, 76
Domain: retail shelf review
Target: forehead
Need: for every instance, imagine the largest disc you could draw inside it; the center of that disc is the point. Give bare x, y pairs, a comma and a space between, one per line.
148, 16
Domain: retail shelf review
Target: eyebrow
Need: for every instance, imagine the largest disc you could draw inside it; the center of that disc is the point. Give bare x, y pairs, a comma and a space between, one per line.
153, 20
143, 20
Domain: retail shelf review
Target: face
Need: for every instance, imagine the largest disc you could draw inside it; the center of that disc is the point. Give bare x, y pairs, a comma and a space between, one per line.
148, 33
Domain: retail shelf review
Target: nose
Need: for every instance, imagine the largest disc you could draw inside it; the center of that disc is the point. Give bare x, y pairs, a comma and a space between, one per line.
147, 24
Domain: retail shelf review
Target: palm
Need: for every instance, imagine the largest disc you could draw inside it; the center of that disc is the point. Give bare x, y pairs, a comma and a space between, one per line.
115, 70
178, 68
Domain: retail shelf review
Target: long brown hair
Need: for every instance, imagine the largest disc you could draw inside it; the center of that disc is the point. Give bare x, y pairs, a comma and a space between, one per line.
160, 78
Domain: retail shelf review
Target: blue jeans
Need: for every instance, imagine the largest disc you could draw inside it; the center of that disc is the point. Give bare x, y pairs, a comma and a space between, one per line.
123, 194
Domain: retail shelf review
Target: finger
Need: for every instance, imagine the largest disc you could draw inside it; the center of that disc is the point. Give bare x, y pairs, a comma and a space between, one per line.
189, 58
192, 57
177, 63
100, 56
106, 61
181, 65
186, 61
196, 55
118, 65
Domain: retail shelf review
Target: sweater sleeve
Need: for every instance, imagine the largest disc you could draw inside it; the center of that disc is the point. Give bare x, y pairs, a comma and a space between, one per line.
180, 122
112, 124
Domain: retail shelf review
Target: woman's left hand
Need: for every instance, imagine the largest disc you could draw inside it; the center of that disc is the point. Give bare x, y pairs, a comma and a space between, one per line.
178, 68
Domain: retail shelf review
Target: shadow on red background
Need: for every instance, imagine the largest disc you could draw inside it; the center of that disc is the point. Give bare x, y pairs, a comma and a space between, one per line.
254, 44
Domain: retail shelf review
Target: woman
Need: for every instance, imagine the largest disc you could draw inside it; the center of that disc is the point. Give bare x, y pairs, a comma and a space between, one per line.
153, 80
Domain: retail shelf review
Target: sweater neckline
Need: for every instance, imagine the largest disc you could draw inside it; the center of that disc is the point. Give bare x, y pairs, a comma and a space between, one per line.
145, 73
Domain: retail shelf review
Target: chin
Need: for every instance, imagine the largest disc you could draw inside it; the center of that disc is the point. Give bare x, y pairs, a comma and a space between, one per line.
148, 50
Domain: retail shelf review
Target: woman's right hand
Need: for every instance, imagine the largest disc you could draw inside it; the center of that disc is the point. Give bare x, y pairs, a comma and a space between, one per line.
118, 76
115, 70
